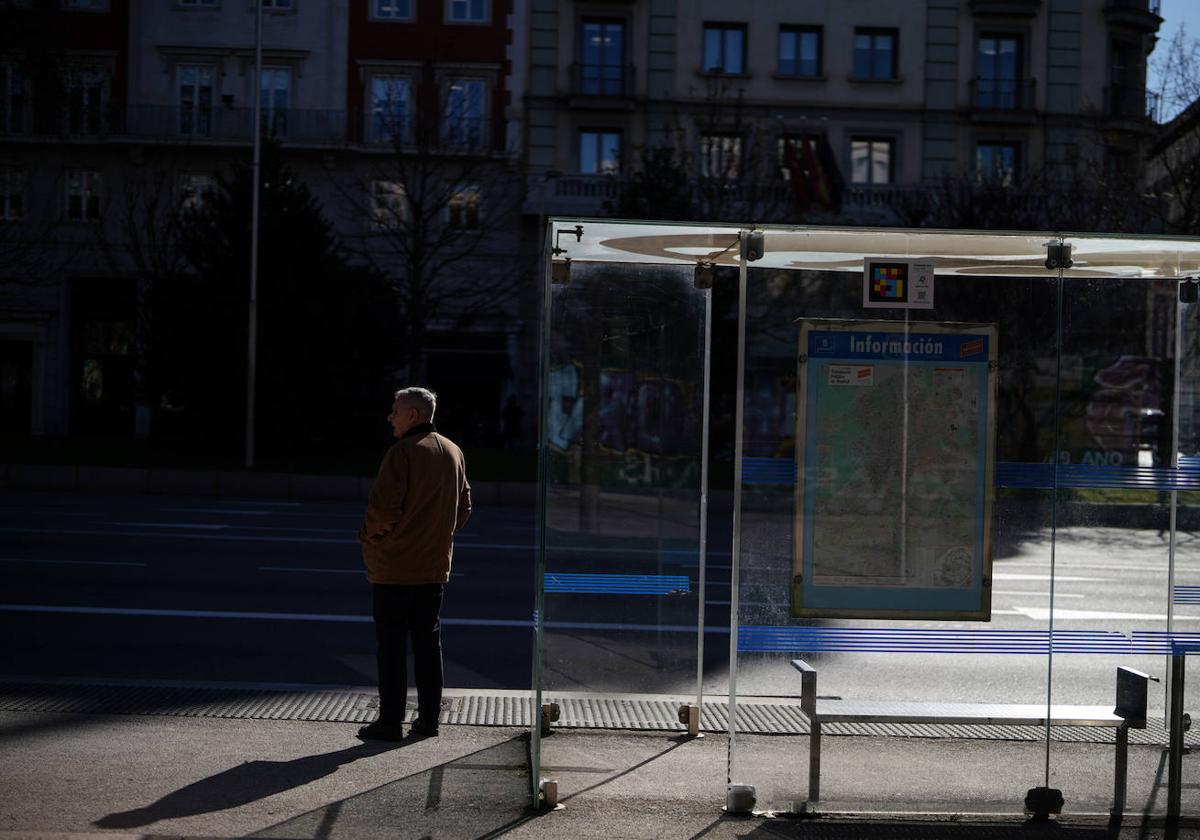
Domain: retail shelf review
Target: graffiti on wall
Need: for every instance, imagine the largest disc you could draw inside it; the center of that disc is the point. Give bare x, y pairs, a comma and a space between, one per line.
644, 428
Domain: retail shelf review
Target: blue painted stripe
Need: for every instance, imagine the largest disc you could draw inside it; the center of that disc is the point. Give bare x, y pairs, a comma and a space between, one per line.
1185, 594
752, 639
1162, 642
605, 584
782, 471
768, 471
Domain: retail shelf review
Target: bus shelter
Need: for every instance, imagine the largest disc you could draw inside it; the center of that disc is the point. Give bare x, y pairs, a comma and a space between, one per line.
936, 470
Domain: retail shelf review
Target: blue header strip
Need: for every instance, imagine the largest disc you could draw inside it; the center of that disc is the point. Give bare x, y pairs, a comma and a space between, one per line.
892, 346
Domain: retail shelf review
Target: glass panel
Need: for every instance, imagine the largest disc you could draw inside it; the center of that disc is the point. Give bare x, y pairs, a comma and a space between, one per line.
734, 50
884, 57
862, 56
712, 49
623, 411
1126, 563
866, 488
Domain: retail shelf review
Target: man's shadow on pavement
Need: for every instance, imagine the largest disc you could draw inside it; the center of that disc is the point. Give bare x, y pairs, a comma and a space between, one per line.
241, 785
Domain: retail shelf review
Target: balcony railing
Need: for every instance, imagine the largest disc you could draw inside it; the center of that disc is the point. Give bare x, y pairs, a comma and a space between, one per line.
1141, 15
218, 124
1008, 8
1154, 7
601, 79
1130, 102
988, 94
594, 195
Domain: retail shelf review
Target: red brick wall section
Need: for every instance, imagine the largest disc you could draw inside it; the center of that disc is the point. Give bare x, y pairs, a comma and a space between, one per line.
429, 39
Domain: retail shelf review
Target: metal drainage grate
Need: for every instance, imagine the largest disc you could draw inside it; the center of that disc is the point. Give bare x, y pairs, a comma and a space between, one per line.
512, 709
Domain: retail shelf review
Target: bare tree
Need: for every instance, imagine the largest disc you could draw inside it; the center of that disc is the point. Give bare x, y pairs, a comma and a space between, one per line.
1087, 198
723, 160
440, 211
1174, 166
141, 238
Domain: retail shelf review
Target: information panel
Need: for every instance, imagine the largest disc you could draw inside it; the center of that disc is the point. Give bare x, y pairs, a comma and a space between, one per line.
894, 454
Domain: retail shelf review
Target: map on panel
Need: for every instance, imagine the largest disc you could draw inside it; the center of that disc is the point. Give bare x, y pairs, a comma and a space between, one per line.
893, 452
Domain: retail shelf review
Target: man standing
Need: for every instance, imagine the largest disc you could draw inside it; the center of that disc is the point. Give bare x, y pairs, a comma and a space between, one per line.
419, 499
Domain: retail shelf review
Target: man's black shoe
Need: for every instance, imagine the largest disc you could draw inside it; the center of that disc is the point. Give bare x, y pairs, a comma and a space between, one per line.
380, 731
421, 729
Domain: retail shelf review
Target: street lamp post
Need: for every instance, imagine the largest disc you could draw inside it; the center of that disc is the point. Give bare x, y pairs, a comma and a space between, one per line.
252, 333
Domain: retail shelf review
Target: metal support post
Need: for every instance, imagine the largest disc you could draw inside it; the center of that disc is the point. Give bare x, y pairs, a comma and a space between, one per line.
1175, 750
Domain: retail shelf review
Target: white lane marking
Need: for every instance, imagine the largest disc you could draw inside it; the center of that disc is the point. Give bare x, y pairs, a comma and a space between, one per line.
1043, 614
171, 525
1023, 594
72, 562
221, 511
1057, 578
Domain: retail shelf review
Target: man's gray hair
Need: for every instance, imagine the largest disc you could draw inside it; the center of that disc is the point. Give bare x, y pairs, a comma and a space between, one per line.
422, 399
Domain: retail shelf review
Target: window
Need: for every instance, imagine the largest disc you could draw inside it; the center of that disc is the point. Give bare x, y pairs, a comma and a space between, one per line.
391, 106
463, 119
462, 207
599, 152
799, 51
276, 93
13, 101
996, 163
872, 160
196, 190
724, 48
875, 53
12, 193
391, 9
389, 205
195, 98
466, 11
602, 57
83, 196
999, 65
720, 156
85, 98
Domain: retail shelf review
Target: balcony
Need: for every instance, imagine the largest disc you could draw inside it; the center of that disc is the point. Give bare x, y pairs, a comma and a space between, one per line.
1141, 16
572, 195
220, 125
1006, 8
1003, 95
1129, 102
611, 81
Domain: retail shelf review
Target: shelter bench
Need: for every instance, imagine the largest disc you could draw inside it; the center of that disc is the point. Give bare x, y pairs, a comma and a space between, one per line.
1128, 713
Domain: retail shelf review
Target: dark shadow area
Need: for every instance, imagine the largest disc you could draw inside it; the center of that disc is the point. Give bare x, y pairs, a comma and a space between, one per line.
240, 785
481, 795
679, 741
820, 829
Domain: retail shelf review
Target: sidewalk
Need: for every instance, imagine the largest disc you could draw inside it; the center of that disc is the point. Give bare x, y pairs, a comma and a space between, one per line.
68, 775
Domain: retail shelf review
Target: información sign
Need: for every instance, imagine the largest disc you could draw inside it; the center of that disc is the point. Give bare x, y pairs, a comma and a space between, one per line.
894, 454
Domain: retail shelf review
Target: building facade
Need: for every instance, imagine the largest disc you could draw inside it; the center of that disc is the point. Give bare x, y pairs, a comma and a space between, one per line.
439, 134
874, 99
133, 99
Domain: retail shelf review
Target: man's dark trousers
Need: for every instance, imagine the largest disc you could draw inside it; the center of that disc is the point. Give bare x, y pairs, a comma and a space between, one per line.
401, 612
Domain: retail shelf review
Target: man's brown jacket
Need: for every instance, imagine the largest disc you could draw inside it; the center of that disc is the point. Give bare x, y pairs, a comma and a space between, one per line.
419, 499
